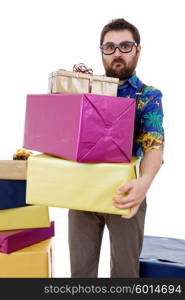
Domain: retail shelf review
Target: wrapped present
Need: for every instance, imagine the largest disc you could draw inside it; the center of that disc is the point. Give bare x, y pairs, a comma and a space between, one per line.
31, 216
162, 257
62, 81
13, 169
81, 127
35, 261
12, 193
61, 183
13, 240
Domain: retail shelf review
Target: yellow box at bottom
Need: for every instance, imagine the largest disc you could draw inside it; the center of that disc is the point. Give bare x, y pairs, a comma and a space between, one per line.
53, 181
30, 262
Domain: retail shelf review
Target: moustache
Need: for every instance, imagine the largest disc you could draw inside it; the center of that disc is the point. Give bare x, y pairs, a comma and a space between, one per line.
118, 60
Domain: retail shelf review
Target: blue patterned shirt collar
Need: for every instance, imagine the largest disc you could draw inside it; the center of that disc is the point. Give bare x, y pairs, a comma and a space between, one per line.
133, 81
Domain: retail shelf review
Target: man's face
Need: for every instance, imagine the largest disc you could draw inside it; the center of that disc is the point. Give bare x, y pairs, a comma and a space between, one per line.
120, 65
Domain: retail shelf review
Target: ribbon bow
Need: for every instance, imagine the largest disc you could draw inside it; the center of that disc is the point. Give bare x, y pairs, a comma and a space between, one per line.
82, 69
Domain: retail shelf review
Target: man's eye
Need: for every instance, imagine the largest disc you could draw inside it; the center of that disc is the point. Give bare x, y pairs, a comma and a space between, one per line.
109, 46
125, 46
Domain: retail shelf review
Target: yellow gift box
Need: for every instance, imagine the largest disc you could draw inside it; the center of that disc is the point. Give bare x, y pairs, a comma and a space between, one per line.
30, 262
53, 181
13, 169
31, 216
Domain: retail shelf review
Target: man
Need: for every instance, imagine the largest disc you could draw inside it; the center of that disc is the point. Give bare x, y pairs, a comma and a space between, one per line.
120, 47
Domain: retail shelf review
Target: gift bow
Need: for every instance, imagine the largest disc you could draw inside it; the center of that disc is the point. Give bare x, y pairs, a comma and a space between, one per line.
82, 69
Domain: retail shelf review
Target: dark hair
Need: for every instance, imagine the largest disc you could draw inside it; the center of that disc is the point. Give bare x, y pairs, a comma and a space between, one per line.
120, 24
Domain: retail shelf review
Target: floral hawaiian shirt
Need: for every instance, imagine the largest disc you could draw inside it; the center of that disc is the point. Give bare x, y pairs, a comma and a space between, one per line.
149, 132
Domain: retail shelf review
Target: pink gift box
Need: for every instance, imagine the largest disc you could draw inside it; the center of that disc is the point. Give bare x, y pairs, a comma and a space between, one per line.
12, 240
80, 127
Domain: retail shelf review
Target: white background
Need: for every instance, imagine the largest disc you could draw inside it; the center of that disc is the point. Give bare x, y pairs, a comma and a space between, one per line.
40, 36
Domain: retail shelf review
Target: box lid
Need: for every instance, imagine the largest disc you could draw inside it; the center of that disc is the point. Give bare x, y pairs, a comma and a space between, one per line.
65, 73
163, 249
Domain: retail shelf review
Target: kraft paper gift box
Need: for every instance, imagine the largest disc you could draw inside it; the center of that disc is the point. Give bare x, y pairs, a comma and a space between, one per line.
63, 81
13, 240
31, 216
12, 193
162, 257
81, 127
61, 183
35, 261
13, 169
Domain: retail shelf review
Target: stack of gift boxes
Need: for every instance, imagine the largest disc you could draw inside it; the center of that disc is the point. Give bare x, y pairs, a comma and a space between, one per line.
85, 134
25, 230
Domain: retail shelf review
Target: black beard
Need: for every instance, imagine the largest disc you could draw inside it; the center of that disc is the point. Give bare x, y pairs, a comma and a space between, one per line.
124, 73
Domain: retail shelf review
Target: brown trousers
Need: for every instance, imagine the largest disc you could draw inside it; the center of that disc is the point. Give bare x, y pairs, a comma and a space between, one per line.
85, 237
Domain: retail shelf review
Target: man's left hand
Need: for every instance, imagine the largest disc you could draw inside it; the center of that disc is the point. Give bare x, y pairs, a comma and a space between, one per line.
135, 192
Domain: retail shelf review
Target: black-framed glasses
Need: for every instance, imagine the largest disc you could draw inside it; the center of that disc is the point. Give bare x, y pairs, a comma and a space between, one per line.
124, 47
